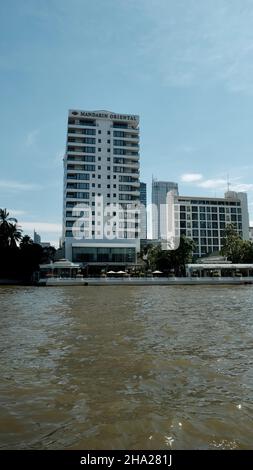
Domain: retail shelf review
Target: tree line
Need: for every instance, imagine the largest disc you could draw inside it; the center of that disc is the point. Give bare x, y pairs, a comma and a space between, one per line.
19, 255
235, 249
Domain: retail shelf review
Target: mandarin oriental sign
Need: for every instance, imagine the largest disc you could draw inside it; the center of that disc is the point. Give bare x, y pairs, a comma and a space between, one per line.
105, 115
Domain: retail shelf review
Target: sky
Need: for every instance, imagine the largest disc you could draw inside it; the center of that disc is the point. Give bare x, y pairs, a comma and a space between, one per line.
184, 66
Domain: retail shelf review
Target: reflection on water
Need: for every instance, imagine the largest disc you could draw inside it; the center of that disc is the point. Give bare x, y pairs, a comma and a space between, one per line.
126, 367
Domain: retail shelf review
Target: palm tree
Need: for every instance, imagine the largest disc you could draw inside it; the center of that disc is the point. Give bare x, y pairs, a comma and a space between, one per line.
10, 233
4, 217
26, 240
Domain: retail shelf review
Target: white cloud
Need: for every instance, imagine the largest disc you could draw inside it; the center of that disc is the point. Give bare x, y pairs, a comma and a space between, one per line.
31, 137
243, 187
192, 41
41, 227
191, 177
18, 186
223, 184
213, 184
16, 213
198, 180
185, 148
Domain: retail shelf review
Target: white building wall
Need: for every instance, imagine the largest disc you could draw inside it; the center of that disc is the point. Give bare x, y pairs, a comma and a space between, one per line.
204, 219
102, 175
160, 189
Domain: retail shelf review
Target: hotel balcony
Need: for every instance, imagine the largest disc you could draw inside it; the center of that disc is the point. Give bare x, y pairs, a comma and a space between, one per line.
134, 193
125, 128
81, 126
78, 152
130, 148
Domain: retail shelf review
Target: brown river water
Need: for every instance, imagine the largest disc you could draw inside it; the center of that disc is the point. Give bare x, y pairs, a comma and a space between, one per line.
124, 367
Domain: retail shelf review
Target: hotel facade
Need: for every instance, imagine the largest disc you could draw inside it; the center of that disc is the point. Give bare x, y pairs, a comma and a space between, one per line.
101, 223
204, 219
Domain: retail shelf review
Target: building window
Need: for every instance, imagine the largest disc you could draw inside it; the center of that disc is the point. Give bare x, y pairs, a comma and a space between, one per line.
99, 141
99, 132
99, 149
108, 132
108, 168
99, 159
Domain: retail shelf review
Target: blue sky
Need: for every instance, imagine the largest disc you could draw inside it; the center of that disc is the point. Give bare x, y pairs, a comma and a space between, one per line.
185, 66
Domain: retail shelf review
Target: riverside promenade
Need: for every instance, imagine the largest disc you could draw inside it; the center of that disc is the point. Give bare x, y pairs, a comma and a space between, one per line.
152, 281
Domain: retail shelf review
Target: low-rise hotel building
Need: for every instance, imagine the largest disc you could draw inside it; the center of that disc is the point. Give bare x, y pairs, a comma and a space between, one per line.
204, 219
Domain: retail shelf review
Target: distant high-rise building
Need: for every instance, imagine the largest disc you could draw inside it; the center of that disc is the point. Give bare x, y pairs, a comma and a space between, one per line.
36, 238
143, 212
160, 190
101, 161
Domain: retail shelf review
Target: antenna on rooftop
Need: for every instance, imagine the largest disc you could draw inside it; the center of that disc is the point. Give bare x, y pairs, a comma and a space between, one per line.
228, 183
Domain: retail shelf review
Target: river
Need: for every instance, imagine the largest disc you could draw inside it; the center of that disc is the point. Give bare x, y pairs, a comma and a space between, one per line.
124, 367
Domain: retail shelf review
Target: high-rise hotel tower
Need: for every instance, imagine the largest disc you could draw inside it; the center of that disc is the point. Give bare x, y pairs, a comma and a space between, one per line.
101, 188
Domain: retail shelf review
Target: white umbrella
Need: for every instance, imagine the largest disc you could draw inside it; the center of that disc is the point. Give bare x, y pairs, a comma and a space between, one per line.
110, 272
121, 272
157, 272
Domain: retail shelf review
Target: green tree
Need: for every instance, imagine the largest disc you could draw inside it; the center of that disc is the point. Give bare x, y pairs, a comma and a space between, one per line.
183, 255
26, 240
247, 252
10, 233
48, 254
235, 248
232, 244
19, 256
158, 258
165, 260
30, 257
